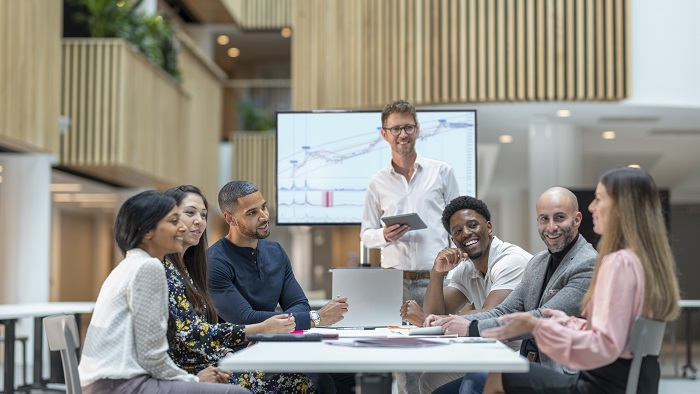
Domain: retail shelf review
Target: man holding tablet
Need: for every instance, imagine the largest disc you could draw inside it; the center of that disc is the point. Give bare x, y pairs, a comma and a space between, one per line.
410, 183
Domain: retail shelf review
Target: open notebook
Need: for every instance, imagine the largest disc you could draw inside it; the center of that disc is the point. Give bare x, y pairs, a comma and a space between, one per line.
374, 296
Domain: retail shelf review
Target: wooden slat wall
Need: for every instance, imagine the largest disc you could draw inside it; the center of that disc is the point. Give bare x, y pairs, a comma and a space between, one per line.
260, 14
30, 49
132, 124
254, 161
204, 122
365, 53
125, 113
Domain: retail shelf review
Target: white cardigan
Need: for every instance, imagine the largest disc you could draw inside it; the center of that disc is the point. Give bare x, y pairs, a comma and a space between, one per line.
127, 333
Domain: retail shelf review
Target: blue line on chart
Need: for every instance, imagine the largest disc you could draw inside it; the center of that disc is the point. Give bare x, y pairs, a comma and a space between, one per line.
336, 157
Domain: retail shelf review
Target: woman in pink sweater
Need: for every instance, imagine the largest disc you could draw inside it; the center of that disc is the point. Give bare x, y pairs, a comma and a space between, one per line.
634, 276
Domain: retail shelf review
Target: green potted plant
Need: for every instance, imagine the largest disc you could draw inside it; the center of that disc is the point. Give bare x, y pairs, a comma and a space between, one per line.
153, 35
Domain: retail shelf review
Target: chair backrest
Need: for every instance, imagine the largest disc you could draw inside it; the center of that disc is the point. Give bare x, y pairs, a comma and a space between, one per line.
646, 339
62, 335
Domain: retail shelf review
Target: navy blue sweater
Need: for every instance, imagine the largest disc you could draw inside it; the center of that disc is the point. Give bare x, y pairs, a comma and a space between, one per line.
246, 284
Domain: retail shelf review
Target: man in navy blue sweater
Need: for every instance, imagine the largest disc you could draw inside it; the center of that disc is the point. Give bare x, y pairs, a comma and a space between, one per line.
249, 275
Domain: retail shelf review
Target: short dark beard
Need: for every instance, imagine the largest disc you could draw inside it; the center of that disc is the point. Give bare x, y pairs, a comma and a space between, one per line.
255, 234
569, 235
476, 255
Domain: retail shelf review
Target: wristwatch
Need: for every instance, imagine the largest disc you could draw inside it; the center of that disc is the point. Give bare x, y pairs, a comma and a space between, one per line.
316, 318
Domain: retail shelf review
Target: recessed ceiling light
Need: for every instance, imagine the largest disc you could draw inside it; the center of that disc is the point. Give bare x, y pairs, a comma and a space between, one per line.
505, 139
563, 113
222, 39
286, 32
634, 166
608, 135
233, 52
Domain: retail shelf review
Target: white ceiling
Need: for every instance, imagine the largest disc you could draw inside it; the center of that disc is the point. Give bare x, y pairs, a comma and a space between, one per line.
665, 141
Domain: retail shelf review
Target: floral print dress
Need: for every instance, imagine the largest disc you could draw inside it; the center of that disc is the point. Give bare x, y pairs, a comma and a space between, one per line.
196, 344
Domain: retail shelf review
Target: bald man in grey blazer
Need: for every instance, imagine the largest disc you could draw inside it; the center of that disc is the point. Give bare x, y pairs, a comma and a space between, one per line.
556, 278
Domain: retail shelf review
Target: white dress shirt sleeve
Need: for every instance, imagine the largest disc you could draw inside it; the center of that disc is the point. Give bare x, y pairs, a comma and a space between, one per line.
372, 230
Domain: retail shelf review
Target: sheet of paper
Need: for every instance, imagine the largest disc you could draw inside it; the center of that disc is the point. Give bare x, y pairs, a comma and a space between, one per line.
376, 333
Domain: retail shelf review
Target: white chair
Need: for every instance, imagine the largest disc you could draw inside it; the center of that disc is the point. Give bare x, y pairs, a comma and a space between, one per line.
62, 335
647, 337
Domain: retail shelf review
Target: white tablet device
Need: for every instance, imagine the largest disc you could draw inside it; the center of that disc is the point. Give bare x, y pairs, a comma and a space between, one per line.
412, 219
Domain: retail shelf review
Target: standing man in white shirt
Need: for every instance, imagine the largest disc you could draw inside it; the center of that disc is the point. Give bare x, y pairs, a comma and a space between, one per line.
410, 183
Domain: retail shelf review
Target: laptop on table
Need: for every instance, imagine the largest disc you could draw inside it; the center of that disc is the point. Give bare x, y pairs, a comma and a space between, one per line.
374, 296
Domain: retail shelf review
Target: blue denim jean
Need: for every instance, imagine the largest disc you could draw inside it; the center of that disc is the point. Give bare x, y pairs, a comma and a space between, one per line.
471, 383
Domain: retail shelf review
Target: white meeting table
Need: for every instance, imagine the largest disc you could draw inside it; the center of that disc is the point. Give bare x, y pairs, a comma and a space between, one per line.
367, 362
9, 314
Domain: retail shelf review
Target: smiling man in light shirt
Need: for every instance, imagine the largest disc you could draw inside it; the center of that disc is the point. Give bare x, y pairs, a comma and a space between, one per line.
486, 270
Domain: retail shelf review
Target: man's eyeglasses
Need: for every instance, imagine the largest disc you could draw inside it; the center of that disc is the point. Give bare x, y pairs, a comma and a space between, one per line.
396, 130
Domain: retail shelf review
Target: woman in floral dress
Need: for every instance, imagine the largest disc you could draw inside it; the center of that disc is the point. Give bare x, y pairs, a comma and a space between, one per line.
196, 339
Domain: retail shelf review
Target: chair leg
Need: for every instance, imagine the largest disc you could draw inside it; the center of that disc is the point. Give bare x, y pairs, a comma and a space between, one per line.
24, 360
23, 342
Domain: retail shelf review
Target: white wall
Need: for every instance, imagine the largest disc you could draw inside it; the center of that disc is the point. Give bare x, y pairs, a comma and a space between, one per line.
25, 224
665, 52
25, 214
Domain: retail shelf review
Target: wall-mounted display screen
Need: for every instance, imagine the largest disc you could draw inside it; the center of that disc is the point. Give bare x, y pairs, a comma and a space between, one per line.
325, 159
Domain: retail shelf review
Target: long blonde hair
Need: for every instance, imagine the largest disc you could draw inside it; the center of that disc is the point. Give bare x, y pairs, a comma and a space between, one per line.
635, 221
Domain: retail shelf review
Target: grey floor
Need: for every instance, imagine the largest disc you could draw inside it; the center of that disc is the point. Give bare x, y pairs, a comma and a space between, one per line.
671, 381
670, 384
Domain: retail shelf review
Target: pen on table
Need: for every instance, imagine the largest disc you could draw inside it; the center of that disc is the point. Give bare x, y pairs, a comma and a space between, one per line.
354, 328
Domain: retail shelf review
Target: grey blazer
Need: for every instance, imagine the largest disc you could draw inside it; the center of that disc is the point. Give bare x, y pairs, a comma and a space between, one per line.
564, 291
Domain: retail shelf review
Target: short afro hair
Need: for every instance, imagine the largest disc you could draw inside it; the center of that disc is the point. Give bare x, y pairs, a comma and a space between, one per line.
464, 202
